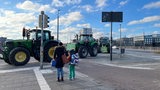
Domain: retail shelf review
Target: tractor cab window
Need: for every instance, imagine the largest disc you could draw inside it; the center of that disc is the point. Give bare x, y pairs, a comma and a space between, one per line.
84, 38
33, 36
38, 36
45, 36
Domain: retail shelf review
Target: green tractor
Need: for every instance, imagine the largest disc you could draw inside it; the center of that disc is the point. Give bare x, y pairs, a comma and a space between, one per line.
103, 45
18, 52
84, 44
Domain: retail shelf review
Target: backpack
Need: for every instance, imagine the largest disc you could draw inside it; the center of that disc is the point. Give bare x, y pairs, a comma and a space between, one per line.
74, 59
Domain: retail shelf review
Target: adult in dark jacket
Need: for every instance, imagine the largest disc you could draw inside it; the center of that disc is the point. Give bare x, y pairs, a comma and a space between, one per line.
59, 51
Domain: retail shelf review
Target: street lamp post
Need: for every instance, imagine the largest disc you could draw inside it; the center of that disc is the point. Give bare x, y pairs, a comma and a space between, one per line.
58, 25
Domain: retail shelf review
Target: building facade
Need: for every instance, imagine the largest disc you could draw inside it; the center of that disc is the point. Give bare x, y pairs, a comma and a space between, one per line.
140, 41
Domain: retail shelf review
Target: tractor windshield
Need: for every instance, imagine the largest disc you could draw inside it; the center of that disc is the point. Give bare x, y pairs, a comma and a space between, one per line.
86, 38
36, 35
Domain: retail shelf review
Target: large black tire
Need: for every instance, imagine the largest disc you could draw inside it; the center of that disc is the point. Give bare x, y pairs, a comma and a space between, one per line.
82, 52
7, 61
49, 51
93, 51
108, 49
19, 56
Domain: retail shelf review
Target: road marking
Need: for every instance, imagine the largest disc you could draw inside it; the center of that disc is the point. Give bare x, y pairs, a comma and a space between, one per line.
146, 64
41, 80
120, 66
141, 56
15, 70
129, 67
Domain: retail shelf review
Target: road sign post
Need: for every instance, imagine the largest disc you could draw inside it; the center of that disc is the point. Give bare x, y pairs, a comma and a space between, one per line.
43, 23
112, 17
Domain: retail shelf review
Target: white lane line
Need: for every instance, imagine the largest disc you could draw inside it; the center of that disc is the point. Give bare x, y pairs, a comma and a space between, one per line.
129, 67
15, 70
150, 64
41, 80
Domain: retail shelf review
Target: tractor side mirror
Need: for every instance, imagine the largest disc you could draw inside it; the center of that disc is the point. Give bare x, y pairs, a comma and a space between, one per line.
23, 32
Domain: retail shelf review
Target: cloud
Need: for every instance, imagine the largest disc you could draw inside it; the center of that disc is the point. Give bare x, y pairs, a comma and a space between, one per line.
88, 8
68, 19
67, 34
156, 32
107, 25
145, 20
123, 30
11, 23
61, 3
97, 35
101, 3
122, 3
157, 25
87, 25
30, 6
152, 5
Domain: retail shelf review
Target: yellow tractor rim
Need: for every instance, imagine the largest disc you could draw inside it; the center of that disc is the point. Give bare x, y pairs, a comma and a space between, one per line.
51, 52
20, 56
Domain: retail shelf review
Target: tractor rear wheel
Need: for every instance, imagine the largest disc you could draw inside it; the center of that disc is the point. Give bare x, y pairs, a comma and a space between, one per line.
49, 51
94, 51
82, 52
19, 56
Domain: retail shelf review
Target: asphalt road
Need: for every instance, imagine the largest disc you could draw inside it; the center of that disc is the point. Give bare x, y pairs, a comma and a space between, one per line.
135, 70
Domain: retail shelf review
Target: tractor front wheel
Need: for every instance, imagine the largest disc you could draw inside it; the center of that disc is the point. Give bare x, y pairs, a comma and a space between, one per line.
19, 56
82, 52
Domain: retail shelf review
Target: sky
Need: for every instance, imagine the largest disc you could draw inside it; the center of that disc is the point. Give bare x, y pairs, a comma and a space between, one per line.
140, 17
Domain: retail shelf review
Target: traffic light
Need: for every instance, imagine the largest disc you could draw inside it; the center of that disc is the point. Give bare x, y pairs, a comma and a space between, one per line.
46, 21
40, 21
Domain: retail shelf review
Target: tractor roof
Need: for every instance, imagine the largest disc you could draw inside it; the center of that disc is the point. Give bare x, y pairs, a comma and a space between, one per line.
33, 30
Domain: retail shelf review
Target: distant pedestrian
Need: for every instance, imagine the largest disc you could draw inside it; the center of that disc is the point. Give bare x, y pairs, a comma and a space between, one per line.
74, 61
59, 51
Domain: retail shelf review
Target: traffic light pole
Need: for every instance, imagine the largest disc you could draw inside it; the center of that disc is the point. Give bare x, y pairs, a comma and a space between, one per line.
41, 47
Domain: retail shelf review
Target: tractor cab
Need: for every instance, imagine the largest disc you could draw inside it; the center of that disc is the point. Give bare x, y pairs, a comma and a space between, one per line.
86, 38
35, 34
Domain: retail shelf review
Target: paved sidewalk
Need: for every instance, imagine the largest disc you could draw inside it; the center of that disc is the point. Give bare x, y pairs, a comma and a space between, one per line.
35, 79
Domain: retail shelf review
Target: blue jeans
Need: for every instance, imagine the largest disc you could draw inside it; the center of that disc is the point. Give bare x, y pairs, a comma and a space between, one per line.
59, 72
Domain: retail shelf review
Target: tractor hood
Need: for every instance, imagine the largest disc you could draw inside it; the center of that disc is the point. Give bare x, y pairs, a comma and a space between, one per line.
17, 43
